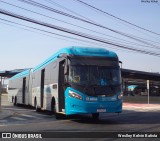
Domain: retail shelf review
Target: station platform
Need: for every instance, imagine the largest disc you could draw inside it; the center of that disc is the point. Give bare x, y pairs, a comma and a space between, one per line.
141, 107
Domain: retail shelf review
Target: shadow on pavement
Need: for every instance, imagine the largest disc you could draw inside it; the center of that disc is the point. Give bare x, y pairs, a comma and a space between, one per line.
129, 118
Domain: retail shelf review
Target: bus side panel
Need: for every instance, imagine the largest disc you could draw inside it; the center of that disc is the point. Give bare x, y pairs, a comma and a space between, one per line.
16, 87
30, 88
36, 88
26, 101
15, 90
12, 90
51, 84
55, 76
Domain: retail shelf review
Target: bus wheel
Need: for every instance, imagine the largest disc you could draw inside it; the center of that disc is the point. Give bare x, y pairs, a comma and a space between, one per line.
15, 101
53, 109
12, 99
95, 115
36, 106
53, 106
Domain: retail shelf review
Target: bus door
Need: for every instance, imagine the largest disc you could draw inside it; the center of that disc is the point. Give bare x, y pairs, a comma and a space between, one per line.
61, 99
23, 90
42, 86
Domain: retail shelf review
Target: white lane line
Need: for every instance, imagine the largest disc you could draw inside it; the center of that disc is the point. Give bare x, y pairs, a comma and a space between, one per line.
18, 118
3, 121
24, 115
34, 116
3, 125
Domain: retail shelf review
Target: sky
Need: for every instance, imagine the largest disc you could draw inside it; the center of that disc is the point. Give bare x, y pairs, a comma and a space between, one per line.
23, 47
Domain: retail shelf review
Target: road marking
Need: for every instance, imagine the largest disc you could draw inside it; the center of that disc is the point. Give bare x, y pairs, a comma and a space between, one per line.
27, 115
18, 118
37, 116
7, 104
3, 125
143, 109
3, 120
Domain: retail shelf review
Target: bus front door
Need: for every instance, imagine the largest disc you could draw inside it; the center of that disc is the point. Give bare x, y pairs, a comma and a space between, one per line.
61, 99
42, 86
23, 90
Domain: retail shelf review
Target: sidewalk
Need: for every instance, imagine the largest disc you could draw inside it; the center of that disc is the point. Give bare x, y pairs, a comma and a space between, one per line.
5, 113
127, 104
141, 107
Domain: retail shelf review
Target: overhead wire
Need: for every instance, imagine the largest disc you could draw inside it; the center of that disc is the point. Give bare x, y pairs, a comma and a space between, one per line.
106, 13
135, 28
32, 2
80, 34
119, 40
29, 29
63, 7
72, 38
76, 39
71, 24
157, 47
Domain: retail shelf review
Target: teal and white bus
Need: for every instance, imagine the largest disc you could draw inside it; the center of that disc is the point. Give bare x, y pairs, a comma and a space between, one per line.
75, 80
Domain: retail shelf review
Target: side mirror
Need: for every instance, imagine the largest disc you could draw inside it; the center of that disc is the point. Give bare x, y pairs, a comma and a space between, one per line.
66, 68
62, 55
120, 63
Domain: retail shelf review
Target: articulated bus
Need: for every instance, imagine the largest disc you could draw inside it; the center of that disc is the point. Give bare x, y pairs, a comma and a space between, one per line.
75, 80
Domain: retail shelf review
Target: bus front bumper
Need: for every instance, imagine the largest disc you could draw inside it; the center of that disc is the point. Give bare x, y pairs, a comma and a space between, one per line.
75, 106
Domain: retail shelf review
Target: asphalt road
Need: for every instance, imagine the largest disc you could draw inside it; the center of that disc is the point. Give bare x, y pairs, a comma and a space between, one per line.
133, 119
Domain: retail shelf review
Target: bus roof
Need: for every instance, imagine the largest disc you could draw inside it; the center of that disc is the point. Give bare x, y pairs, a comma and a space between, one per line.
78, 51
21, 74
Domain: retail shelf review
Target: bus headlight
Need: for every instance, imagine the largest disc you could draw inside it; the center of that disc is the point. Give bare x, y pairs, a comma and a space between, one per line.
120, 96
75, 95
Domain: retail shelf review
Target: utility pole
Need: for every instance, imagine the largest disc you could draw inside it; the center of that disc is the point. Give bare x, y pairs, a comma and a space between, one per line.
148, 90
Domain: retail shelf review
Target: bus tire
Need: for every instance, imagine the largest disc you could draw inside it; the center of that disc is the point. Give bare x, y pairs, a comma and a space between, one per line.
36, 106
53, 106
95, 116
15, 101
53, 109
12, 99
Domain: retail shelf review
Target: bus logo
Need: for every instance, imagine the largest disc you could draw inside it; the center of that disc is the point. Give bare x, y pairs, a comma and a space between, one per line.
6, 135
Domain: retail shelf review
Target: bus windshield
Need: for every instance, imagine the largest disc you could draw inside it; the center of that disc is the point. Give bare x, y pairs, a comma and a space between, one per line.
94, 75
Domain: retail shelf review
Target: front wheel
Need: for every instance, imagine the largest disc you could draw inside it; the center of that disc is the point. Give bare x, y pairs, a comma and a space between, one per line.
95, 115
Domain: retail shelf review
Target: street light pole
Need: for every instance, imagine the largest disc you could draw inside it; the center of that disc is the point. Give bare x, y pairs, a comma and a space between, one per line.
148, 90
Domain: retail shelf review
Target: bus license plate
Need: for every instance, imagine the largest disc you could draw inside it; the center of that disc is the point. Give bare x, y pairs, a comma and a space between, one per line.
101, 110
